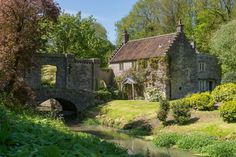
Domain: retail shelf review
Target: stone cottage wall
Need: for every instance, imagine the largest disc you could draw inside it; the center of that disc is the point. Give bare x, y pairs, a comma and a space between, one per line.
212, 70
183, 68
116, 67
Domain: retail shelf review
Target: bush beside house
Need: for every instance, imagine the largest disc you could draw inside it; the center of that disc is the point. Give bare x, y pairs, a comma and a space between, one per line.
201, 101
224, 92
228, 111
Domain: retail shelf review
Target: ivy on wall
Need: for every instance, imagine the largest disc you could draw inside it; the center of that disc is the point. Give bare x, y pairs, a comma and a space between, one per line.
146, 73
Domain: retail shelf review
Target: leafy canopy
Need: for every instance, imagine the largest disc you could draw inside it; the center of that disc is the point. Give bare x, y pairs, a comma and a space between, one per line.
83, 37
223, 45
154, 17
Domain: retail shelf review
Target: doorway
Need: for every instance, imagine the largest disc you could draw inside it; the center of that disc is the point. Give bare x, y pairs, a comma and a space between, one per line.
211, 85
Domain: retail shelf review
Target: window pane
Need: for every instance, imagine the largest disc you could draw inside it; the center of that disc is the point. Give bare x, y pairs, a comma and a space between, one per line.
121, 66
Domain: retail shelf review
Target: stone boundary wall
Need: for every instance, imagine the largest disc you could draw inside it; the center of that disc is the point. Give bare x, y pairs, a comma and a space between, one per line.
76, 79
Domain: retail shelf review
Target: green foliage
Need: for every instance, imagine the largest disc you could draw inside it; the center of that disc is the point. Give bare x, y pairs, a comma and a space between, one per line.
163, 110
5, 130
34, 135
194, 142
155, 17
154, 63
224, 92
201, 101
83, 37
221, 149
181, 111
197, 142
142, 64
117, 94
228, 111
90, 121
104, 95
229, 77
223, 45
166, 139
50, 151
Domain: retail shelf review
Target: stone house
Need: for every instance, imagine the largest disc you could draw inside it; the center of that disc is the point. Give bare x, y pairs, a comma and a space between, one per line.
181, 69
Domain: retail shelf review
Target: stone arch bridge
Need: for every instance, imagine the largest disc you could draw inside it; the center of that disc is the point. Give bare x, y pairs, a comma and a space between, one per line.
75, 84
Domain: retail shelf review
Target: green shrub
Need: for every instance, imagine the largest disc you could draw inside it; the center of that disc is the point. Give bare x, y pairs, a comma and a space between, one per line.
229, 77
228, 111
194, 142
201, 101
221, 149
224, 92
116, 94
90, 122
166, 139
163, 110
104, 95
5, 130
181, 111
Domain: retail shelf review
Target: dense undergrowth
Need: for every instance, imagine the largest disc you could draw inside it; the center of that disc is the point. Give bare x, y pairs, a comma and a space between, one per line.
27, 134
200, 143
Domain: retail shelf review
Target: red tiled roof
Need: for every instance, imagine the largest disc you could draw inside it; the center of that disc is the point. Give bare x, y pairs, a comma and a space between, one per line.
144, 48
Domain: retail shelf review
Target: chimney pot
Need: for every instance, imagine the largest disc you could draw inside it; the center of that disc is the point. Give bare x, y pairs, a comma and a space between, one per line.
125, 37
180, 26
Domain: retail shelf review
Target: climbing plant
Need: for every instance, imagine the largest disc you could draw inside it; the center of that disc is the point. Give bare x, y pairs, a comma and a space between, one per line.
145, 74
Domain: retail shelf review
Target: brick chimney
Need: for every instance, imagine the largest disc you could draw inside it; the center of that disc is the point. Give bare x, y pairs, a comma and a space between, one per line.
125, 37
180, 27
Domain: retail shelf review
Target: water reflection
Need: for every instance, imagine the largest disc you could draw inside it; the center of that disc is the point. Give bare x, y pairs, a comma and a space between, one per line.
133, 145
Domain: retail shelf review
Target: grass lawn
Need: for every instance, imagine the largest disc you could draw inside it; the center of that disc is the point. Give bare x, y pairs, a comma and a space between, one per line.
209, 122
122, 112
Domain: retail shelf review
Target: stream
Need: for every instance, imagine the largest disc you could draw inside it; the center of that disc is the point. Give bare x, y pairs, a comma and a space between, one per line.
132, 144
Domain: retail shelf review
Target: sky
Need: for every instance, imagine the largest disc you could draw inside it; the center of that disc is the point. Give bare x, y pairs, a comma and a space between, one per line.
107, 12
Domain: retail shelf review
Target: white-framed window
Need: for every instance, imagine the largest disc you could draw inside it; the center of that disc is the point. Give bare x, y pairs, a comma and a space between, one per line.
202, 85
202, 66
121, 66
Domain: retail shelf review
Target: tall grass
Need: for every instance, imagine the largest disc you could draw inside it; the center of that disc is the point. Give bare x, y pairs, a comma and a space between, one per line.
196, 142
24, 134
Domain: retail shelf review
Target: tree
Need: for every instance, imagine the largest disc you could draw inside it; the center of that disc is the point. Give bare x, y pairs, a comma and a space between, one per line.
148, 18
223, 45
155, 17
21, 34
163, 110
85, 38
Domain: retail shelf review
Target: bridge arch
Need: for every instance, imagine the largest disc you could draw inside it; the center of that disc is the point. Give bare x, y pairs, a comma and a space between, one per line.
69, 99
59, 104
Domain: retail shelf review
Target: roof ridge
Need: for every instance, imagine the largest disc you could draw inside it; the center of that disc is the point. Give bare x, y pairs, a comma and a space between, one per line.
116, 51
176, 33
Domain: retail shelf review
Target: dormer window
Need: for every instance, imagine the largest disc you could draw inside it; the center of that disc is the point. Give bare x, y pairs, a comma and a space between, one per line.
202, 66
